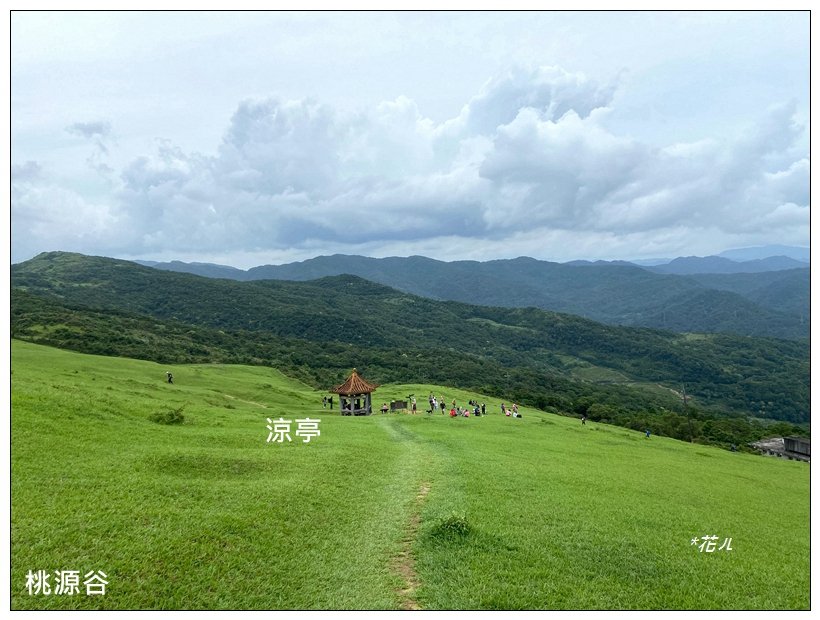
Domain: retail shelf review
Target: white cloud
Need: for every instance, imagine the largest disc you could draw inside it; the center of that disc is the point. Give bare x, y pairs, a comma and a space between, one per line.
573, 174
45, 215
27, 172
94, 129
98, 133
554, 172
280, 146
550, 91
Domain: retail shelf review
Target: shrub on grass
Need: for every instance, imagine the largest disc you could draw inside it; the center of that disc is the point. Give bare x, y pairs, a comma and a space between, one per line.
451, 527
168, 417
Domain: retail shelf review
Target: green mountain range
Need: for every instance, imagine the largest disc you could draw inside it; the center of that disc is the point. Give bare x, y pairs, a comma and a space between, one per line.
771, 303
316, 331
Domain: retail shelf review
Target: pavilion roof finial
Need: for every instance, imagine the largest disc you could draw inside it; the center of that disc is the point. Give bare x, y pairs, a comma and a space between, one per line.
354, 385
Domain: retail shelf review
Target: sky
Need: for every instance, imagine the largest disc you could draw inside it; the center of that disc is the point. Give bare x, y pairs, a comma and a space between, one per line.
250, 138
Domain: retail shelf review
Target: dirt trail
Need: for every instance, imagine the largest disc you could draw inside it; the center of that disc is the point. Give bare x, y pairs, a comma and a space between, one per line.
404, 563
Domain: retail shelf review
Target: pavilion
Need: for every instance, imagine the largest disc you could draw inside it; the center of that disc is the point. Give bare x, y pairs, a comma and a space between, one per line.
354, 395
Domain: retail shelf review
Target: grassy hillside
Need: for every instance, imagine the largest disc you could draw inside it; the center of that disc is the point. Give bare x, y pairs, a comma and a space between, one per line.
383, 512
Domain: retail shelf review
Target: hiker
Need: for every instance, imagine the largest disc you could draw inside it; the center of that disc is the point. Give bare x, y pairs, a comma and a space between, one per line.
413, 403
330, 402
384, 408
647, 433
584, 419
483, 409
324, 402
503, 409
170, 377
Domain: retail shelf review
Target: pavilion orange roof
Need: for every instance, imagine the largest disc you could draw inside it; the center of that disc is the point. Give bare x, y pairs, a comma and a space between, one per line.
354, 385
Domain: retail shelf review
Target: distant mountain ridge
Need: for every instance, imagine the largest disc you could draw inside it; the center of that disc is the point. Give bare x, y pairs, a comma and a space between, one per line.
208, 270
740, 255
802, 254
616, 293
742, 260
691, 265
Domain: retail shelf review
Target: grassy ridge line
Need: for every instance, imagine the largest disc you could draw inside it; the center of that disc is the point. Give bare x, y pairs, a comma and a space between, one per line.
208, 516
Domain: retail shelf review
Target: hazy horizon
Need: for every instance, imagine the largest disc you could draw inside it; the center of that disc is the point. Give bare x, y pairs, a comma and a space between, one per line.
774, 250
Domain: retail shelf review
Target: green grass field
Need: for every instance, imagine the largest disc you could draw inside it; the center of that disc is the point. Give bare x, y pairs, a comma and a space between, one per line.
382, 512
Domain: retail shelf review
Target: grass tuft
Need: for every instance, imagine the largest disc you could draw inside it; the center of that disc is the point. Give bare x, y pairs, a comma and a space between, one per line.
168, 417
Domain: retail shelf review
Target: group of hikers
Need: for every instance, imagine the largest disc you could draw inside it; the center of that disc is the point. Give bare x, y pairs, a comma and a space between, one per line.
473, 408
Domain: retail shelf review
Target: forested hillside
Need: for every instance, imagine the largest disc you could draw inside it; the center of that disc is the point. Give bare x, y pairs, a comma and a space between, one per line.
613, 293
